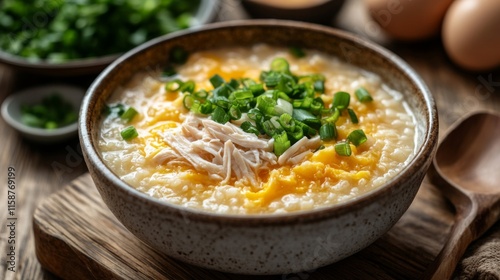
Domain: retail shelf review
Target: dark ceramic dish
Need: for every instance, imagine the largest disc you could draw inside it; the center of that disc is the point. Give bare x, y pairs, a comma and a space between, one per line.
262, 244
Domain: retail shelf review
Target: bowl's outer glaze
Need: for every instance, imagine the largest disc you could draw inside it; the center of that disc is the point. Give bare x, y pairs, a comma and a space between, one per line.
265, 244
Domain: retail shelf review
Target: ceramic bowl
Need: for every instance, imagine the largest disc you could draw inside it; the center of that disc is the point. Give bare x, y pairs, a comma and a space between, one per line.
262, 244
11, 112
87, 66
317, 11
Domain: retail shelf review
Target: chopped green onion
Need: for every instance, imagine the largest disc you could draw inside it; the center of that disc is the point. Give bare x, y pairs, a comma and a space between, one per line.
296, 134
201, 94
178, 55
168, 71
234, 84
255, 114
357, 137
220, 116
286, 121
173, 85
328, 132
206, 108
352, 115
363, 95
281, 143
297, 52
216, 81
129, 114
266, 105
283, 107
334, 117
50, 125
249, 128
241, 94
319, 86
317, 106
306, 117
280, 65
343, 149
188, 101
187, 87
271, 79
234, 113
129, 133
119, 109
341, 100
247, 82
257, 89
270, 128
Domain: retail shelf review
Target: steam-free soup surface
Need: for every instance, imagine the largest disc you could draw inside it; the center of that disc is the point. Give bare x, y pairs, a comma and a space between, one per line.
188, 159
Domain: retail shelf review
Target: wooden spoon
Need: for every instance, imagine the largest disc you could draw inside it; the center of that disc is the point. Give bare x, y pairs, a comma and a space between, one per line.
467, 167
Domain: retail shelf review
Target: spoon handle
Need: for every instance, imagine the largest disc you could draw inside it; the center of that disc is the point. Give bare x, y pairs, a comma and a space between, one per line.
459, 239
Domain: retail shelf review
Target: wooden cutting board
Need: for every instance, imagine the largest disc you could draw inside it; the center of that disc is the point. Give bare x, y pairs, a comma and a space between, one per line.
77, 237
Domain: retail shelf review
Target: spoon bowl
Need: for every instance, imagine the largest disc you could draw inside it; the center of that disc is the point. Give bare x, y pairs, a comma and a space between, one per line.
466, 166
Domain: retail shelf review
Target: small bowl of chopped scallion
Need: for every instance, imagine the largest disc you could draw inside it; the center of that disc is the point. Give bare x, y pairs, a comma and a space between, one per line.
44, 114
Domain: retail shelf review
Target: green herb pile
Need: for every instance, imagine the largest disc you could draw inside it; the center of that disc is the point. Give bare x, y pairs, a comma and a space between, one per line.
281, 105
61, 30
53, 112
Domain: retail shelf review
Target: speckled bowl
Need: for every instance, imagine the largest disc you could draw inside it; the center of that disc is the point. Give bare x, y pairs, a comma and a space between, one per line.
262, 244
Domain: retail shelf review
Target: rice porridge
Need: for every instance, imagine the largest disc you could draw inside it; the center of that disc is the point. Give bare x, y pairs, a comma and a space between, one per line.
257, 130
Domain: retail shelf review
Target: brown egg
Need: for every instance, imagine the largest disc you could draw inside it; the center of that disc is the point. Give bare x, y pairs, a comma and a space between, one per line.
409, 19
471, 33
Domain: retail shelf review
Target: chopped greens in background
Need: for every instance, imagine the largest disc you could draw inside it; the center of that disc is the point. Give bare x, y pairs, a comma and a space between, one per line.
61, 30
51, 113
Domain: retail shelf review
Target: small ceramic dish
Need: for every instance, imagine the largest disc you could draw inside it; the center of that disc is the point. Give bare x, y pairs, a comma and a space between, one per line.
317, 11
87, 66
11, 112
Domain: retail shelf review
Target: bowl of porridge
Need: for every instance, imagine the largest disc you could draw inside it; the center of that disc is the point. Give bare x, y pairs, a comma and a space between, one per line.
258, 147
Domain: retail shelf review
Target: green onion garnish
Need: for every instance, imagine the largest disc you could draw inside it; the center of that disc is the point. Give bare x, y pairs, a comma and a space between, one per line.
281, 143
319, 86
178, 55
168, 71
343, 149
234, 113
280, 65
129, 114
217, 81
363, 95
297, 52
173, 85
341, 100
51, 112
357, 137
328, 132
283, 106
352, 115
249, 128
220, 116
187, 87
129, 133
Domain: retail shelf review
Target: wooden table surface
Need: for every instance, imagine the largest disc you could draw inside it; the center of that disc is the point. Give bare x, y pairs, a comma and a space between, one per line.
42, 170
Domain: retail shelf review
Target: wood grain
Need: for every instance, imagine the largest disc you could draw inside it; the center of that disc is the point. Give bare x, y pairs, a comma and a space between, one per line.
73, 228
456, 92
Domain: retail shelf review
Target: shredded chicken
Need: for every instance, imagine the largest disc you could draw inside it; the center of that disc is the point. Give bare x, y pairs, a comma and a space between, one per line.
225, 150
